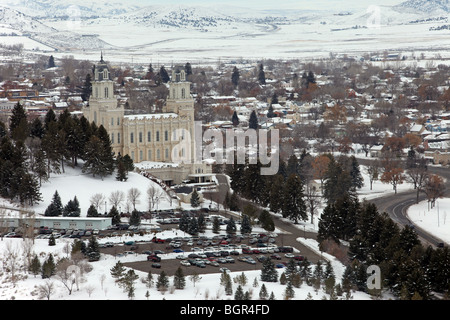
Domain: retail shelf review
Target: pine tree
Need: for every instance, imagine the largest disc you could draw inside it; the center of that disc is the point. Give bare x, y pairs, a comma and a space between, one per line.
235, 77
294, 206
18, 124
216, 225
135, 218
162, 283
55, 208
263, 294
188, 69
253, 120
195, 199
179, 280
115, 215
266, 221
184, 222
35, 265
51, 62
193, 226
246, 225
117, 271
92, 211
261, 75
289, 292
51, 240
87, 88
268, 272
48, 267
239, 293
72, 209
357, 180
122, 173
235, 119
93, 249
231, 226
164, 75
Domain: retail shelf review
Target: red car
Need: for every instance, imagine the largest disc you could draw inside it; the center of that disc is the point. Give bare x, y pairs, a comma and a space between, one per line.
158, 240
153, 258
299, 258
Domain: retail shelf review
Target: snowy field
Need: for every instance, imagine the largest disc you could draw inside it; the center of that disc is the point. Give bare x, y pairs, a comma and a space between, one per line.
98, 283
433, 220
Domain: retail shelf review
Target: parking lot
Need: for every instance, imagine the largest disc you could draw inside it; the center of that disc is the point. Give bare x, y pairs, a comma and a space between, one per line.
204, 255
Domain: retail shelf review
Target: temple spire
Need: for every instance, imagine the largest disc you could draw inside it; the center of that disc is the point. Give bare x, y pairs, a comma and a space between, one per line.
101, 56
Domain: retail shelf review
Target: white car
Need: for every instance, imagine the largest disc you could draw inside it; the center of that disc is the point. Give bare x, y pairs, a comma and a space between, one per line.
289, 255
185, 263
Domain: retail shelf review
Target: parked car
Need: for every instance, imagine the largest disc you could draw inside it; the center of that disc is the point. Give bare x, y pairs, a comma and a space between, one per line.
156, 265
185, 263
153, 258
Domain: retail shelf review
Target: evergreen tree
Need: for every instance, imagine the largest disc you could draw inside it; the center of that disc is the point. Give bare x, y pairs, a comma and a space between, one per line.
261, 75
235, 77
216, 225
184, 222
122, 173
87, 88
188, 69
117, 271
72, 209
193, 226
246, 225
253, 120
51, 241
263, 294
36, 128
92, 211
18, 124
162, 283
55, 208
35, 265
357, 180
268, 272
179, 281
48, 267
231, 226
293, 207
266, 221
195, 199
51, 62
239, 293
93, 249
270, 113
276, 193
289, 292
164, 75
115, 215
135, 218
235, 119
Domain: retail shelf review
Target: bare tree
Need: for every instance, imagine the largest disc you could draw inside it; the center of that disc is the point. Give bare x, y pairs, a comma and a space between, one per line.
312, 200
116, 198
46, 290
419, 177
373, 170
153, 197
67, 272
97, 200
133, 196
434, 188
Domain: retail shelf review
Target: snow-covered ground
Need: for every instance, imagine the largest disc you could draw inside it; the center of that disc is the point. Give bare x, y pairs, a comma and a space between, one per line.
434, 220
98, 283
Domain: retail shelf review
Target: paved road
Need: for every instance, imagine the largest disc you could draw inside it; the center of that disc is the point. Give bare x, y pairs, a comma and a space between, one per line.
397, 205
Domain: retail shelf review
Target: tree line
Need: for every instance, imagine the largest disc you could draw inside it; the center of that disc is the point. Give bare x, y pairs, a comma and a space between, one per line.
31, 151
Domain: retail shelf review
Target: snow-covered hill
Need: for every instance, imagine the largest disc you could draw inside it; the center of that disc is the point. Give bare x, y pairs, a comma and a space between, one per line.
212, 30
425, 7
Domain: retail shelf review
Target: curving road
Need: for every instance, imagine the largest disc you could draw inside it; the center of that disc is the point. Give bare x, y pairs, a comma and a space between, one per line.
397, 205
